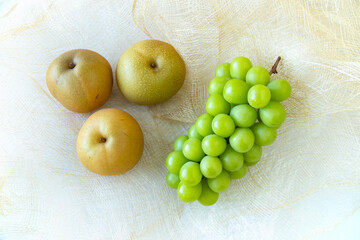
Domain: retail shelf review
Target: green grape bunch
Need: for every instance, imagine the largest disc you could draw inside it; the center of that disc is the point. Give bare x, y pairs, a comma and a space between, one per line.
243, 112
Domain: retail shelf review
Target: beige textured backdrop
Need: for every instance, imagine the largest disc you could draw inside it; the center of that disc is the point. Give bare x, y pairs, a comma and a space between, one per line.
307, 182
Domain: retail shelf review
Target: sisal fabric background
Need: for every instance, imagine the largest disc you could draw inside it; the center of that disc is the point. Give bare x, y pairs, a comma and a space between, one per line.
307, 182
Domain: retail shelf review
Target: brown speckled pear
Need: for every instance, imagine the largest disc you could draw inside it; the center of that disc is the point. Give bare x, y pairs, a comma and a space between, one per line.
110, 142
81, 80
150, 72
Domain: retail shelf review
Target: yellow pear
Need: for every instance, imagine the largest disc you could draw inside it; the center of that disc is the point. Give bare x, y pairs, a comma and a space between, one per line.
150, 72
81, 80
110, 142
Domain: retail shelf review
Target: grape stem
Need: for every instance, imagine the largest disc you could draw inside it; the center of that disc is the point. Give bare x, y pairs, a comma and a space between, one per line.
273, 69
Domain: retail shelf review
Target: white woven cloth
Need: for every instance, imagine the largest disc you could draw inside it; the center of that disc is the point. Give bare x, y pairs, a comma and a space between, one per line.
305, 186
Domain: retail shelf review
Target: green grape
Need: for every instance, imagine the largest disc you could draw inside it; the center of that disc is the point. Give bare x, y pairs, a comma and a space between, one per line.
280, 89
239, 67
216, 104
231, 160
210, 166
187, 193
235, 91
213, 145
203, 124
264, 135
174, 161
257, 75
243, 115
193, 133
208, 197
223, 70
259, 96
250, 164
217, 85
192, 149
179, 142
238, 174
172, 180
190, 174
220, 183
273, 115
242, 140
254, 155
223, 125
